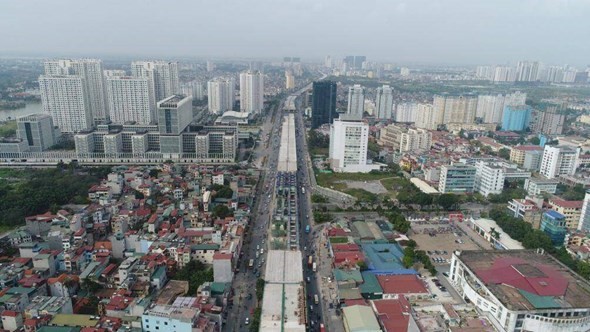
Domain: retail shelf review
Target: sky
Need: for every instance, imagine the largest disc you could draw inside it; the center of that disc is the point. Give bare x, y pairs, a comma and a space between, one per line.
467, 32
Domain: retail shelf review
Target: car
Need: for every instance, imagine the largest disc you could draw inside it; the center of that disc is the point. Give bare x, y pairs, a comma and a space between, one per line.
247, 321
445, 274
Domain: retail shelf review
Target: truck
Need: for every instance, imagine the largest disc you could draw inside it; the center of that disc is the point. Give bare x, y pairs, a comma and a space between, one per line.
307, 229
310, 261
314, 267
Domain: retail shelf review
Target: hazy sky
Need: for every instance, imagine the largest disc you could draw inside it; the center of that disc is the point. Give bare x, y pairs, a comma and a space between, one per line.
419, 31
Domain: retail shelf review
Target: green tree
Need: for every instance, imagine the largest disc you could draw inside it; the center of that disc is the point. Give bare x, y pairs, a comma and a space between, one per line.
504, 153
221, 211
535, 140
448, 201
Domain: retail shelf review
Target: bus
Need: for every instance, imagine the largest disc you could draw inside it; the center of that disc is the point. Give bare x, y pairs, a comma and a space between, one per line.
251, 263
316, 299
307, 229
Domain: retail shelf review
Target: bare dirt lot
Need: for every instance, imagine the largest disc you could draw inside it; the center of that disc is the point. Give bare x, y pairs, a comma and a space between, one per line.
374, 187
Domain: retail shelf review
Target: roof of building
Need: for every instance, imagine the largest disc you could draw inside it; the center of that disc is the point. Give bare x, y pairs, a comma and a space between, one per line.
74, 320
504, 238
394, 314
544, 280
554, 214
566, 204
528, 148
384, 257
346, 275
370, 284
58, 329
402, 284
360, 318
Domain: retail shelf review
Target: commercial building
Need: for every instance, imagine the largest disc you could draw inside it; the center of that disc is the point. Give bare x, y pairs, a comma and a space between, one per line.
348, 146
91, 73
220, 95
130, 99
554, 225
457, 178
323, 103
38, 131
162, 76
522, 290
251, 91
489, 178
559, 160
65, 98
571, 210
516, 117
356, 101
384, 102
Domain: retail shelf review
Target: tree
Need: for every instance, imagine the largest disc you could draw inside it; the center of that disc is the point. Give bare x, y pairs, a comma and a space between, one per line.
447, 201
535, 140
362, 265
504, 153
222, 211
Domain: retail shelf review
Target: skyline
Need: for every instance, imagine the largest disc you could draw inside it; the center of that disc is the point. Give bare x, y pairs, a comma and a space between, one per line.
465, 33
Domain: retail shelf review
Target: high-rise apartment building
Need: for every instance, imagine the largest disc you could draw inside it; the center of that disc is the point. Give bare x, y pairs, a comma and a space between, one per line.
349, 141
406, 112
130, 99
548, 121
64, 98
504, 74
384, 102
91, 71
527, 71
289, 80
559, 160
163, 77
516, 117
584, 223
401, 138
454, 109
490, 108
425, 117
485, 72
489, 178
194, 89
221, 95
251, 91
323, 103
356, 101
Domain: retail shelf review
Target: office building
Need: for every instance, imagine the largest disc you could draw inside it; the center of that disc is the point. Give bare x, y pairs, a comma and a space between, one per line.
554, 225
559, 160
454, 109
401, 138
289, 80
251, 92
489, 178
221, 95
537, 186
64, 98
457, 178
406, 112
527, 71
91, 71
38, 131
548, 121
384, 102
516, 118
162, 75
522, 290
584, 221
175, 113
323, 103
348, 146
130, 99
356, 101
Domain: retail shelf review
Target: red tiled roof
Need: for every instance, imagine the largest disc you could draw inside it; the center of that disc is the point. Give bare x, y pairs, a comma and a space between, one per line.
351, 302
348, 256
401, 284
10, 313
394, 314
567, 204
345, 247
528, 148
219, 255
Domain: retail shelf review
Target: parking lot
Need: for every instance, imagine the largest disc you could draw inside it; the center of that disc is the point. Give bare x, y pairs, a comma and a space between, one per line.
440, 240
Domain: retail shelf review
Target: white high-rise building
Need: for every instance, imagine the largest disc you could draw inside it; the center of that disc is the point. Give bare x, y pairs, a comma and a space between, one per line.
349, 140
251, 91
130, 99
221, 95
527, 71
559, 160
489, 178
113, 73
504, 74
584, 223
356, 101
384, 102
425, 117
91, 71
64, 98
406, 112
454, 109
491, 108
485, 72
163, 76
328, 62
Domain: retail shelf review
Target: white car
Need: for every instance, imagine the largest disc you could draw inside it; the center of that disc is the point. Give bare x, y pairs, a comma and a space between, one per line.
247, 321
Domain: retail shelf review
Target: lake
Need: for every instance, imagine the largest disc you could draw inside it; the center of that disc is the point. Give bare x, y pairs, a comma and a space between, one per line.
31, 108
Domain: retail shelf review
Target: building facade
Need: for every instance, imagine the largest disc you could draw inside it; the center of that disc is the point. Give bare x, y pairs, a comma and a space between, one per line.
559, 160
130, 99
220, 95
251, 92
323, 103
65, 99
356, 101
384, 102
38, 131
348, 146
162, 77
516, 118
457, 178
